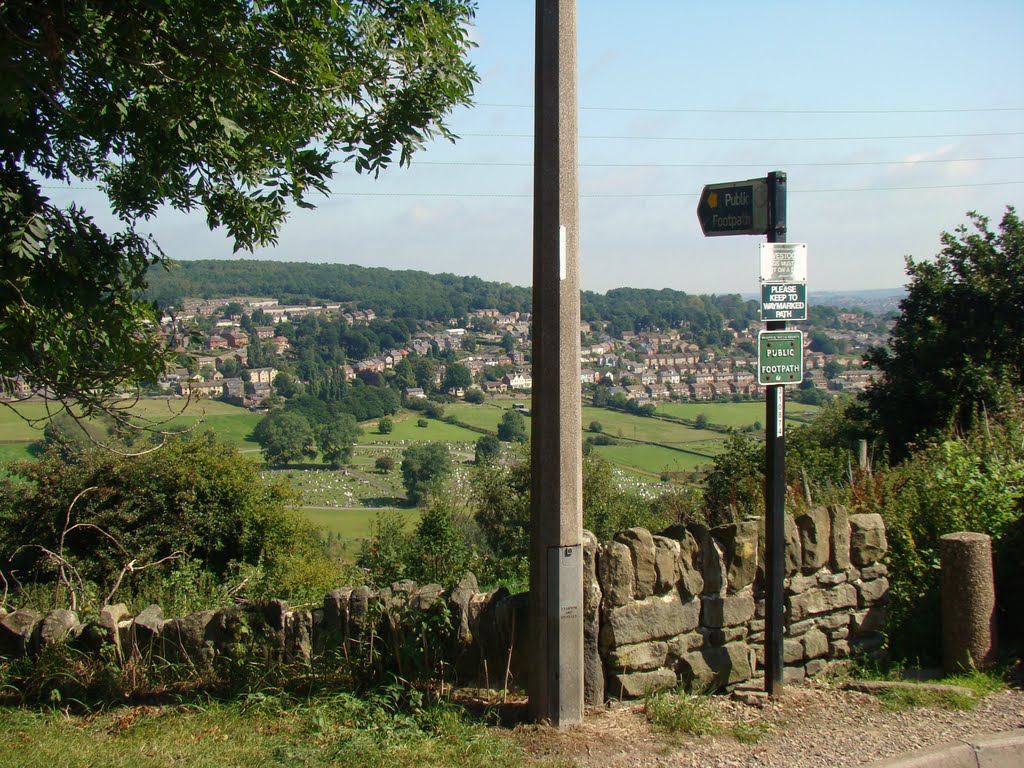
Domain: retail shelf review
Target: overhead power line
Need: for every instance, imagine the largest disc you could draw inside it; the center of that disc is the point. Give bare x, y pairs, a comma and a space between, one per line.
757, 111
757, 138
485, 164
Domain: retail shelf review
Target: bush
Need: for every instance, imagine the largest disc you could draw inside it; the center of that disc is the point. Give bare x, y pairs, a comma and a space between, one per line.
193, 501
384, 463
970, 483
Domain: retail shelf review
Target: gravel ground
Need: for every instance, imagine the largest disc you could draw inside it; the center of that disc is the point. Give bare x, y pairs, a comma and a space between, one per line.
812, 726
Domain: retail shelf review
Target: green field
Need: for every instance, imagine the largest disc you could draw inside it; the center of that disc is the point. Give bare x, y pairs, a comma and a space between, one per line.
735, 415
651, 459
407, 430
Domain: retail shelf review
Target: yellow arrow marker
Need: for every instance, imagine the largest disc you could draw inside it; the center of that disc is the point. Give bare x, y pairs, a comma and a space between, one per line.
712, 199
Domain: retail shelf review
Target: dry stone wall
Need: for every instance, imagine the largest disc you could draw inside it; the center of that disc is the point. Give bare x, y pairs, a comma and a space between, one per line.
684, 605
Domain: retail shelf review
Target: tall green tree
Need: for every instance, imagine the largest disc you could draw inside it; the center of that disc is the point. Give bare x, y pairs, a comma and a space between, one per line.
958, 344
240, 109
512, 427
284, 437
457, 376
422, 467
336, 437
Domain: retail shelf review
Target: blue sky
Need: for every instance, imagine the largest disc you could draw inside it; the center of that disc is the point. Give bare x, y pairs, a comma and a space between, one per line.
676, 94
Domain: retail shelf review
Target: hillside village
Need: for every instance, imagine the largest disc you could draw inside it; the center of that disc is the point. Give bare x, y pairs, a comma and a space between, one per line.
214, 337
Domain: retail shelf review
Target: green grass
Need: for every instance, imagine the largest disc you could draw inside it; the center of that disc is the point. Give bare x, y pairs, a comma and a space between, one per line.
406, 429
679, 713
651, 459
735, 415
259, 732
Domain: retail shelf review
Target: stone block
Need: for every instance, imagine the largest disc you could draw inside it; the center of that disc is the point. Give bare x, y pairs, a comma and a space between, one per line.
711, 668
641, 550
817, 601
791, 536
793, 675
829, 579
868, 620
839, 535
839, 649
615, 574
16, 630
716, 636
593, 668
144, 629
738, 542
798, 584
833, 621
798, 628
638, 657
690, 580
667, 553
874, 591
635, 685
56, 626
710, 559
838, 634
815, 644
792, 651
656, 618
815, 667
815, 529
874, 571
185, 638
868, 544
727, 610
691, 641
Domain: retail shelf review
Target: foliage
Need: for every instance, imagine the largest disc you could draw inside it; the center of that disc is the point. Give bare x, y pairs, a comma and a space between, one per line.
335, 439
385, 425
385, 555
487, 449
735, 484
284, 437
438, 550
234, 108
101, 511
422, 467
958, 343
512, 427
970, 483
384, 463
390, 725
456, 376
475, 396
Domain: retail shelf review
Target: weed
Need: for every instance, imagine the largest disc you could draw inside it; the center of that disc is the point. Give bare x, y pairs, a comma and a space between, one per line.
681, 713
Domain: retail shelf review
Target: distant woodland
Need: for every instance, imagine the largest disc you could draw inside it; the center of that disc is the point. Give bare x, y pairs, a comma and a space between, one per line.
437, 297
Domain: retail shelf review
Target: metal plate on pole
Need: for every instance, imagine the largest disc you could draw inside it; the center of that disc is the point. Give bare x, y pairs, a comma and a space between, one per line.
783, 301
780, 357
734, 208
783, 262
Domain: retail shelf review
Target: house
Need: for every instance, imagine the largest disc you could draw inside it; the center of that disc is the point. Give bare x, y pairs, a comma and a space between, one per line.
658, 391
262, 375
518, 380
215, 342
493, 387
415, 393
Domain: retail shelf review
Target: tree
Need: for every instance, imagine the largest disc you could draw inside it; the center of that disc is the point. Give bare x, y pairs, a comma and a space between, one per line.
474, 395
958, 344
284, 436
335, 438
240, 109
457, 376
487, 448
512, 427
385, 425
422, 466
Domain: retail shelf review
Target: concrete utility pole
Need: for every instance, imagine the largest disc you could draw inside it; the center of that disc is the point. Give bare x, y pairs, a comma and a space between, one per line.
556, 552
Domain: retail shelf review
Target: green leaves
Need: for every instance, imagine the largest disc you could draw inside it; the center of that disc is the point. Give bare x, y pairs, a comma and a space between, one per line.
237, 108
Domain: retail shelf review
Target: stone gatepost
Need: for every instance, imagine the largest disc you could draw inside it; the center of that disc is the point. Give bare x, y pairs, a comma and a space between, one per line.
968, 602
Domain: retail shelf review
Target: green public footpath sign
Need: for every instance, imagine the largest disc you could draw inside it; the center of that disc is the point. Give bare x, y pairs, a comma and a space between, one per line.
780, 357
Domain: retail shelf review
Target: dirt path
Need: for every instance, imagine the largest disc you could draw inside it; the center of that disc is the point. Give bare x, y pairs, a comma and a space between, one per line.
814, 726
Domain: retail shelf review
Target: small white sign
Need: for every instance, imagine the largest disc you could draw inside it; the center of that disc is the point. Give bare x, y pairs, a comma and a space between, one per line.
783, 262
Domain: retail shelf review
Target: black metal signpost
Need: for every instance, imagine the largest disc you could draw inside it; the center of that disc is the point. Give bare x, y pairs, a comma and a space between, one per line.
775, 471
758, 207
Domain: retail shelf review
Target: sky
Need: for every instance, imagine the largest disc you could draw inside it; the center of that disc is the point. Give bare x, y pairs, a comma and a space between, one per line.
891, 120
